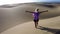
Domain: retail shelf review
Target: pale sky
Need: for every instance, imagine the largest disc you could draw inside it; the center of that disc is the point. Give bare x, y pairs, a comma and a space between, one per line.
2, 2
14, 1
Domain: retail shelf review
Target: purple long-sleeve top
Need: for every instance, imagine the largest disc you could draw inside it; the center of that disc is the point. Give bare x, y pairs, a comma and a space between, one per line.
36, 15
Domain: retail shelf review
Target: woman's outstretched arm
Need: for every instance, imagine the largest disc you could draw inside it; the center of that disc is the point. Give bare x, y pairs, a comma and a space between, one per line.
29, 11
43, 11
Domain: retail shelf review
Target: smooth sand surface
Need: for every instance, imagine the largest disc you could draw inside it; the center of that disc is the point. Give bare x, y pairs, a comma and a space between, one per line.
11, 17
28, 27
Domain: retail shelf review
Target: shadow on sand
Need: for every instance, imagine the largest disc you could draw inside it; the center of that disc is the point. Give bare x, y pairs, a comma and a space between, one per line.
54, 31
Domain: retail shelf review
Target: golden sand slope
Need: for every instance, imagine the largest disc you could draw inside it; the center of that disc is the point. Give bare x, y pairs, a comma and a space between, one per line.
28, 27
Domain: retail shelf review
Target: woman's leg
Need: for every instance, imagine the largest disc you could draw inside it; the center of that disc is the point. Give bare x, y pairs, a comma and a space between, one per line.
36, 23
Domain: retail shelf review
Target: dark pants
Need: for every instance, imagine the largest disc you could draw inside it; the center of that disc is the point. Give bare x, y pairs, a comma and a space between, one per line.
36, 22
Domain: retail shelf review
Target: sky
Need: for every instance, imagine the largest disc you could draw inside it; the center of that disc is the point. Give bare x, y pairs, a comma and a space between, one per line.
2, 2
48, 0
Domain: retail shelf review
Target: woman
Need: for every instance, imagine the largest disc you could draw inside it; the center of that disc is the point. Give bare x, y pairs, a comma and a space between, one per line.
36, 14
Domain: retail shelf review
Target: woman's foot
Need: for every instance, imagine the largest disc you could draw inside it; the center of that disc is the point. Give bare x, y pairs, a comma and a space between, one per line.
37, 27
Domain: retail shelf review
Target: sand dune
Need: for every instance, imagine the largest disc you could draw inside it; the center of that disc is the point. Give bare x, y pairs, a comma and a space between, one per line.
28, 27
11, 17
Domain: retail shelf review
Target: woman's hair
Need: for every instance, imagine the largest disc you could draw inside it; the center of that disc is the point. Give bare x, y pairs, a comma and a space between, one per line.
36, 9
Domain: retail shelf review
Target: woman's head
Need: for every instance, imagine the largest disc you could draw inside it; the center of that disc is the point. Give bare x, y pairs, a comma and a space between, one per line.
36, 10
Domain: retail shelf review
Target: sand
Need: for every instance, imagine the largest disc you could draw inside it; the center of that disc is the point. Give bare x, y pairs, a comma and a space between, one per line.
28, 27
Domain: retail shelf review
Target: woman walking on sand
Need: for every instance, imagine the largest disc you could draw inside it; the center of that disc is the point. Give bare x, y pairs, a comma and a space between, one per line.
36, 14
